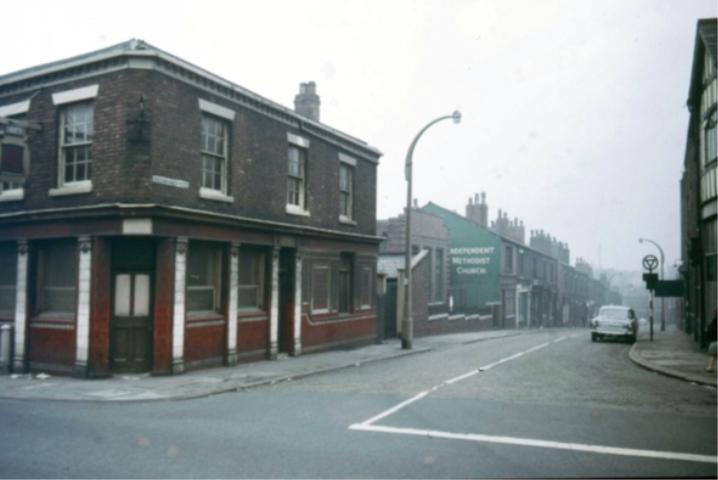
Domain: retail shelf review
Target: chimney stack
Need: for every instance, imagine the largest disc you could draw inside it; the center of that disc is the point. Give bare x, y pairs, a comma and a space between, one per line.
306, 102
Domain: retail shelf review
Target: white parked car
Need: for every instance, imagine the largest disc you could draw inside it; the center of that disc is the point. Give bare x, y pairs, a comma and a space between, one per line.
614, 321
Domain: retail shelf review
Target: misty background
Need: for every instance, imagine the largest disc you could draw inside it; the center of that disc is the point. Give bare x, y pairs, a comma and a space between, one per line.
574, 112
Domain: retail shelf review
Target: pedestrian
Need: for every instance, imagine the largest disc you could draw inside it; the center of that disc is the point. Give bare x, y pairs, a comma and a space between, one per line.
712, 337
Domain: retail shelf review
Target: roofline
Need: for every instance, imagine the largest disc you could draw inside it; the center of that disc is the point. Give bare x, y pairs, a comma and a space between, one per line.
502, 237
141, 49
695, 84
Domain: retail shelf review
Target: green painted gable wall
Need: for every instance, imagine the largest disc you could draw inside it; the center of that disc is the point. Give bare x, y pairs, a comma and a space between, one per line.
474, 261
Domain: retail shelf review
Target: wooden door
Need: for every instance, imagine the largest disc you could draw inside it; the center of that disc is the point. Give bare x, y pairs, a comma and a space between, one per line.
131, 335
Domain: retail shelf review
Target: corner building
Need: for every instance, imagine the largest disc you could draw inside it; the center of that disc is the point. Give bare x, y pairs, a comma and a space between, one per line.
167, 219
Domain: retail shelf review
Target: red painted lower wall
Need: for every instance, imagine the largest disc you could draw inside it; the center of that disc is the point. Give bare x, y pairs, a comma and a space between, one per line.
355, 328
51, 349
204, 344
253, 339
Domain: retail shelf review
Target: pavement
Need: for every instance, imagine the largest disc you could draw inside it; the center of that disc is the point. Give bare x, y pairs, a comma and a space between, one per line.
671, 353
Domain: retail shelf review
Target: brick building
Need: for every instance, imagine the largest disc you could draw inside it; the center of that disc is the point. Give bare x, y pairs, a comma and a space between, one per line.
699, 199
430, 251
169, 219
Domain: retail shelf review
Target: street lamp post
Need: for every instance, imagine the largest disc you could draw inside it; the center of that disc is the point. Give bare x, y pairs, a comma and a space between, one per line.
407, 324
663, 300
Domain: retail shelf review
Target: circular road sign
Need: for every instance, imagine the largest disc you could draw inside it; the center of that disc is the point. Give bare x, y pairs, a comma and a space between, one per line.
650, 262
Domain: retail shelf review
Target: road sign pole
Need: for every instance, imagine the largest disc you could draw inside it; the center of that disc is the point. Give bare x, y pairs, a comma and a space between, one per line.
651, 323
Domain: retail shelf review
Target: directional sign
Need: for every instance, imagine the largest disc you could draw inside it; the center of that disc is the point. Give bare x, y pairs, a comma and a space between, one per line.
650, 262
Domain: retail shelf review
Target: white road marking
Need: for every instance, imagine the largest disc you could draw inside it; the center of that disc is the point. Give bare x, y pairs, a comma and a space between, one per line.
367, 426
530, 442
462, 377
396, 408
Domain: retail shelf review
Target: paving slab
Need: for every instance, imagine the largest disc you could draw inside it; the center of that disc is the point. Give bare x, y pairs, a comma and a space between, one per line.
201, 383
673, 353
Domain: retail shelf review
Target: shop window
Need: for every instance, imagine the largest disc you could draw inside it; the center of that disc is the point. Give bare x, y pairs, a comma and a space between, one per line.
320, 289
8, 279
204, 278
57, 278
252, 264
346, 297
367, 285
710, 247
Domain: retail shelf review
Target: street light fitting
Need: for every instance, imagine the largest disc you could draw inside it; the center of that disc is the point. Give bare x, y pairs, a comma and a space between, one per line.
407, 324
456, 116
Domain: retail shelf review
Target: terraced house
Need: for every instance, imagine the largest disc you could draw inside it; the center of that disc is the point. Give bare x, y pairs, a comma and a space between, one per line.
156, 217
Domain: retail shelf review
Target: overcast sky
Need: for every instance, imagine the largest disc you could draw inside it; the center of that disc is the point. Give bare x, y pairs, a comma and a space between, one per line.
574, 116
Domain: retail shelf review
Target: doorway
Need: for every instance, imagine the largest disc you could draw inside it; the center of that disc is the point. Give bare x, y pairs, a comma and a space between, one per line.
131, 331
285, 328
131, 304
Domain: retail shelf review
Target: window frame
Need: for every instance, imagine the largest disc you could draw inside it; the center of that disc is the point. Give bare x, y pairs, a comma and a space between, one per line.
216, 256
259, 274
43, 257
63, 147
366, 288
314, 270
9, 253
347, 169
301, 180
710, 139
508, 259
222, 157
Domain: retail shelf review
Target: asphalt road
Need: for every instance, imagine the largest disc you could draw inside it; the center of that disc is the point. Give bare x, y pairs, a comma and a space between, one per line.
550, 404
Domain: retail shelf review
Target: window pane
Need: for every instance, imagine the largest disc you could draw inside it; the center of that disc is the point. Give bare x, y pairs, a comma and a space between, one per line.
57, 277
203, 277
213, 144
251, 279
320, 288
200, 299
8, 279
142, 295
122, 295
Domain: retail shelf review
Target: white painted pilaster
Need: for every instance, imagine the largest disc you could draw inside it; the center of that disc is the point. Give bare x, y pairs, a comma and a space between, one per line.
82, 330
178, 317
274, 309
20, 306
232, 310
298, 305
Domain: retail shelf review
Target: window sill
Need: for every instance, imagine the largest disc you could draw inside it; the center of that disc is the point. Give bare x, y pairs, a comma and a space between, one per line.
347, 221
215, 195
14, 195
75, 188
297, 210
